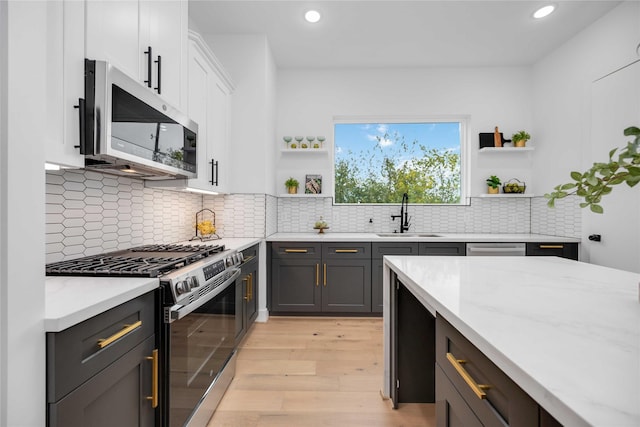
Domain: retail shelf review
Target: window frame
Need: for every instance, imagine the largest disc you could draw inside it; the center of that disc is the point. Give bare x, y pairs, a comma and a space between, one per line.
465, 150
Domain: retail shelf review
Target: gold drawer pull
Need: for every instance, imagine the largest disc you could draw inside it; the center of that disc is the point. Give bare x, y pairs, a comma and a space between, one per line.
317, 274
154, 378
295, 251
102, 343
324, 275
346, 251
478, 389
551, 246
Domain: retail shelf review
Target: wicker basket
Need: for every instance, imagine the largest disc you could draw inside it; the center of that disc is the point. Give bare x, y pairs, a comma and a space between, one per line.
514, 186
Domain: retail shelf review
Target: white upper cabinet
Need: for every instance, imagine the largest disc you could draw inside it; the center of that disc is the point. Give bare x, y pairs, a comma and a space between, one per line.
208, 91
65, 82
120, 32
145, 39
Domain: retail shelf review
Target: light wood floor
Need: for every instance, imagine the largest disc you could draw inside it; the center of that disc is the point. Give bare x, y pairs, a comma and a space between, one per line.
312, 372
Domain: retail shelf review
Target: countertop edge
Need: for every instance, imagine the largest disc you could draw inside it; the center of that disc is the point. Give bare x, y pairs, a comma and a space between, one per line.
442, 237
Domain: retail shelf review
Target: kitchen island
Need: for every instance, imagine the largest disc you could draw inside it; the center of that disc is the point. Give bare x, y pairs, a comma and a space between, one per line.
566, 332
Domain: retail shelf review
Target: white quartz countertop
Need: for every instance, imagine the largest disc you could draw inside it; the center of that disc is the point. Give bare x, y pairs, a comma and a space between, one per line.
328, 236
566, 332
71, 300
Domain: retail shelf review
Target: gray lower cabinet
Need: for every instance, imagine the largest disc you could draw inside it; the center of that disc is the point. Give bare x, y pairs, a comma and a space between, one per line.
472, 390
104, 371
320, 277
564, 250
379, 250
247, 292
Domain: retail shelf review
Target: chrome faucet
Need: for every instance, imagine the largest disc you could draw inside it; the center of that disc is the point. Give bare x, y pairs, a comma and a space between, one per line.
404, 214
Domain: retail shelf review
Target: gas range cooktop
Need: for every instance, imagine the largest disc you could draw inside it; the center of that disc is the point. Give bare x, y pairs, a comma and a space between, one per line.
141, 261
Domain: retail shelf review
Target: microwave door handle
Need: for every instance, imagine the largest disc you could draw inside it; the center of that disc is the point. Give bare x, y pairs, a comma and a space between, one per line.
177, 312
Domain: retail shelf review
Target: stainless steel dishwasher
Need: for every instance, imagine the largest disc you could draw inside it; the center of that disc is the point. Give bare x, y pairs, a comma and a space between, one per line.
496, 249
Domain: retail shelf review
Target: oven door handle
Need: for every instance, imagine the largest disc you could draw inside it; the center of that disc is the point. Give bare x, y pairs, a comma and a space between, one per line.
177, 312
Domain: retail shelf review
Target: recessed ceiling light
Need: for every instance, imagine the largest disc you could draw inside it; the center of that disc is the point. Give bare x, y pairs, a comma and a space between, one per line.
312, 16
544, 11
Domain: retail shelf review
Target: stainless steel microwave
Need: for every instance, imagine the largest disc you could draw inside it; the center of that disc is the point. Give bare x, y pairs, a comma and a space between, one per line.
128, 130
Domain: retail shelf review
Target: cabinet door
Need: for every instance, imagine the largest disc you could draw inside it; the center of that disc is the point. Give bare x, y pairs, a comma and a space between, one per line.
199, 111
346, 285
451, 409
164, 28
112, 30
378, 250
252, 292
241, 310
65, 82
295, 285
117, 396
218, 133
453, 249
564, 250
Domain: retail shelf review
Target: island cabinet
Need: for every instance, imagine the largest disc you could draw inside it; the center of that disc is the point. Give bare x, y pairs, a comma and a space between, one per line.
320, 277
564, 250
104, 371
380, 249
247, 292
471, 390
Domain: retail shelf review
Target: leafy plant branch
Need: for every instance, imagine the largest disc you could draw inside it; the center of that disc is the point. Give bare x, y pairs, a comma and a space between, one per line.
599, 180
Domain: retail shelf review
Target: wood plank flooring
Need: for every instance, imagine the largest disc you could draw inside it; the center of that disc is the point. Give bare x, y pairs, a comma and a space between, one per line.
313, 372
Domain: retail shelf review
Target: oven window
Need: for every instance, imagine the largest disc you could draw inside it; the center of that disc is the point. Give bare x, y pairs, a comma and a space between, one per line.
200, 345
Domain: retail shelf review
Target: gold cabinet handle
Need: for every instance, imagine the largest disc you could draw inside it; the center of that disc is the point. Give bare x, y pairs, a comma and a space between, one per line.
295, 251
551, 246
317, 275
478, 389
324, 274
103, 342
346, 251
246, 293
250, 286
154, 378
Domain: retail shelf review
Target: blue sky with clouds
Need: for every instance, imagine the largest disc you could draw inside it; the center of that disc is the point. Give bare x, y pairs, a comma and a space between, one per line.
362, 137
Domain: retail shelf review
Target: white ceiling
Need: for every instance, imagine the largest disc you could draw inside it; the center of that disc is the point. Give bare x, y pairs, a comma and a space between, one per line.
399, 33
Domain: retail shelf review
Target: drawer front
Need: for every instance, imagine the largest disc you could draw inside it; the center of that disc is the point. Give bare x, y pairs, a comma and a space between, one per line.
342, 250
78, 353
251, 252
378, 250
451, 409
295, 250
504, 402
564, 250
455, 249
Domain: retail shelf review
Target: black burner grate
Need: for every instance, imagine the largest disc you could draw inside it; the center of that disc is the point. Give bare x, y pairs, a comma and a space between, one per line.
141, 261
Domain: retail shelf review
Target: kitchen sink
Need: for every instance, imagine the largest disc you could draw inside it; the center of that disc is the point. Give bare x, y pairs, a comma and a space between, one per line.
408, 235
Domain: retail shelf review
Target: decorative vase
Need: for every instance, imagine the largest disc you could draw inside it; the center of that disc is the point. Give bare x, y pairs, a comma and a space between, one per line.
292, 190
492, 190
521, 143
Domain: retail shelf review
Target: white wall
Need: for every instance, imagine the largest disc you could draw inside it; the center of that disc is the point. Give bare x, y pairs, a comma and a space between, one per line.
563, 88
22, 337
309, 99
562, 91
249, 61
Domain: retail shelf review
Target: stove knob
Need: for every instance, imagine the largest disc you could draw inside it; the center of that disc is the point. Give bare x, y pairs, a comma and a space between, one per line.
230, 261
240, 257
193, 282
182, 287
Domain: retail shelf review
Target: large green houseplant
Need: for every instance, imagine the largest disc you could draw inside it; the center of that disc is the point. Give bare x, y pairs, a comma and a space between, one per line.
599, 180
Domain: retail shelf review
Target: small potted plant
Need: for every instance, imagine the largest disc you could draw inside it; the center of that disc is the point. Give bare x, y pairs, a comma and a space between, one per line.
292, 185
520, 138
493, 183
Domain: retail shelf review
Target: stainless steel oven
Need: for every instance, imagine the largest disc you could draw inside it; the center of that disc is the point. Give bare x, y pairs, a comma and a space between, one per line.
197, 322
198, 338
